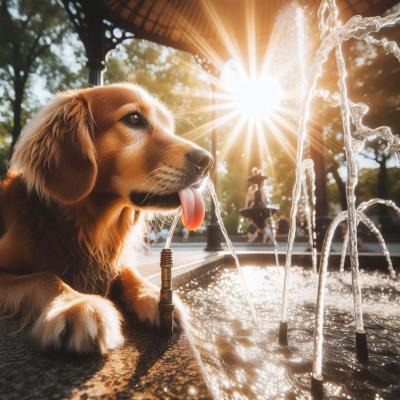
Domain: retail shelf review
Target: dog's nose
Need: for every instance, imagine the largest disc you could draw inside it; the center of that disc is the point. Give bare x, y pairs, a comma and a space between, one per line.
201, 159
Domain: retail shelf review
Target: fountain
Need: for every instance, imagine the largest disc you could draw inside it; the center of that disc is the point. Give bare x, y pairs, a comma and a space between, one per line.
260, 210
333, 34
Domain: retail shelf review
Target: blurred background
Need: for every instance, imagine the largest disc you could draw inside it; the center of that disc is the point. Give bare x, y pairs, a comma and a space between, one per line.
40, 54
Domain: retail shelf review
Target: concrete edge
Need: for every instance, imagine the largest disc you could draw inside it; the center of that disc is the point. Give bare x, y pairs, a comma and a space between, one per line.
186, 272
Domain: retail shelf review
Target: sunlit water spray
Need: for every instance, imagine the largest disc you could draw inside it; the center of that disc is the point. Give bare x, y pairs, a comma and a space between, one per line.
372, 227
244, 363
172, 228
308, 175
333, 34
268, 197
231, 248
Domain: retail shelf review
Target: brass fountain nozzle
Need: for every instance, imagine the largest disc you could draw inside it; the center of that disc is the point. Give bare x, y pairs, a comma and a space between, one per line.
166, 306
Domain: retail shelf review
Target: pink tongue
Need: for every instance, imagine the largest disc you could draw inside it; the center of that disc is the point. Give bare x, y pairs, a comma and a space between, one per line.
193, 208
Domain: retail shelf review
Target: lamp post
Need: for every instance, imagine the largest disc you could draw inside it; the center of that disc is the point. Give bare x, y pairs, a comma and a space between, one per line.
98, 34
213, 229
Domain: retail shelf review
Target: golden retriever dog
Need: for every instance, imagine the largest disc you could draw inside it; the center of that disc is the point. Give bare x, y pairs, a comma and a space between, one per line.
83, 171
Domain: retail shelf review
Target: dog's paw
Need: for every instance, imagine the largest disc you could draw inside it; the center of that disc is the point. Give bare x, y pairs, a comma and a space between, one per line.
145, 307
80, 324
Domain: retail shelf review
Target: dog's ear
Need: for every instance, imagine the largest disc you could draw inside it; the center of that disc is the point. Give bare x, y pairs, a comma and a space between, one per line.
56, 153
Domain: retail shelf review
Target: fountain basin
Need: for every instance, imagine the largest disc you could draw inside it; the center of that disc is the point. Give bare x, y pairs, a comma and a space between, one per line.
259, 213
246, 362
149, 363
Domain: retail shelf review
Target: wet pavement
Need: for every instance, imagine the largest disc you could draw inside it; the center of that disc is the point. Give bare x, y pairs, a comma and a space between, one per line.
146, 367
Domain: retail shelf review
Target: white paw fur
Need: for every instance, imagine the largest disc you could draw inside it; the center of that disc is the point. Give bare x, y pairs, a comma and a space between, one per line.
80, 324
145, 307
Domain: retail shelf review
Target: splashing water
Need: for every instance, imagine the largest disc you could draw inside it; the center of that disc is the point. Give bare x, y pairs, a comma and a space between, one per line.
172, 228
372, 227
243, 363
319, 314
333, 34
268, 197
228, 241
310, 203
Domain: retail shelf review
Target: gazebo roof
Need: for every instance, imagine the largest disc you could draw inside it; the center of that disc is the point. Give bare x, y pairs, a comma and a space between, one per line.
216, 28
213, 30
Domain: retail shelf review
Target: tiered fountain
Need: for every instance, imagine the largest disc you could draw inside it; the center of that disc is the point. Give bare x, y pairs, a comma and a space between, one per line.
260, 210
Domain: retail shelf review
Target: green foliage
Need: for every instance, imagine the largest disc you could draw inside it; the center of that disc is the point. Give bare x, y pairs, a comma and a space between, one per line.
34, 48
368, 184
373, 80
170, 75
40, 54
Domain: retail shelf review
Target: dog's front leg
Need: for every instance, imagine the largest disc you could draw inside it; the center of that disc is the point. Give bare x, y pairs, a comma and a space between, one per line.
142, 297
63, 318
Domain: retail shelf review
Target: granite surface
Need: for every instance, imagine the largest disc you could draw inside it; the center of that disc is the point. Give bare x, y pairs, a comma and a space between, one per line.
146, 367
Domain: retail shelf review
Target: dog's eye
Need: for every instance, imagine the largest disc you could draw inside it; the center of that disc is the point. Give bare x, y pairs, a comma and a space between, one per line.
135, 120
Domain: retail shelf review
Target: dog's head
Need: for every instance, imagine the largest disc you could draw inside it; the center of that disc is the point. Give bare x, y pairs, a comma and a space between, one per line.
114, 140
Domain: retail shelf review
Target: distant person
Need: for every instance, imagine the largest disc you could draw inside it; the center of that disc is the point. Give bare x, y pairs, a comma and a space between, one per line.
252, 232
185, 234
252, 189
153, 236
283, 226
268, 237
164, 232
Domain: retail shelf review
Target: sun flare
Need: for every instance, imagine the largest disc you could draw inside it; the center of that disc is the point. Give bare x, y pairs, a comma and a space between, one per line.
253, 97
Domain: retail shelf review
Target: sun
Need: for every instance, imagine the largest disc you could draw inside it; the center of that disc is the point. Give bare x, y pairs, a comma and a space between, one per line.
253, 97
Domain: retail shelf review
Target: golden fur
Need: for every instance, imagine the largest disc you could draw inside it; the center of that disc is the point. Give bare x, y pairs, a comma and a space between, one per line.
66, 214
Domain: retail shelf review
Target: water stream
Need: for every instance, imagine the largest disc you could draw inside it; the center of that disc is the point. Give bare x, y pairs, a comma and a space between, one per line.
309, 207
228, 241
372, 227
268, 198
332, 33
172, 228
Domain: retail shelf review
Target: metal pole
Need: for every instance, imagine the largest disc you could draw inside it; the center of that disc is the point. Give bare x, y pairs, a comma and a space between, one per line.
166, 306
95, 74
213, 229
96, 49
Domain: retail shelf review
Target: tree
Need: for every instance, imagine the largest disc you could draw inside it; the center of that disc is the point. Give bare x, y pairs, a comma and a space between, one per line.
169, 74
373, 80
31, 37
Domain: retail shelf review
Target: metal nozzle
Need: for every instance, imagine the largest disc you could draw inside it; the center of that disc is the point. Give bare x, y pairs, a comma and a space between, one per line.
283, 333
166, 305
361, 347
317, 388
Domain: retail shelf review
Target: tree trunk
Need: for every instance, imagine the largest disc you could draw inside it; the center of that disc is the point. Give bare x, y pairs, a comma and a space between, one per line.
317, 153
318, 156
341, 187
19, 89
384, 219
382, 178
